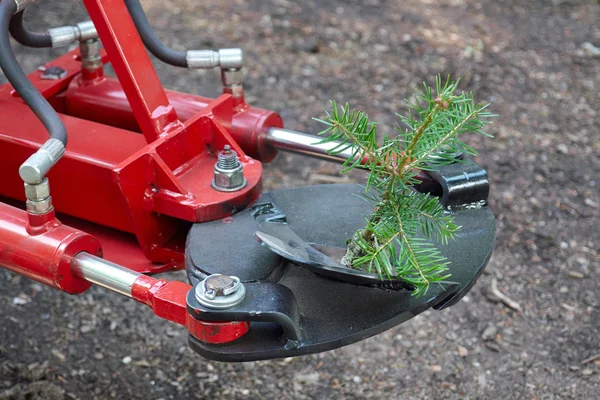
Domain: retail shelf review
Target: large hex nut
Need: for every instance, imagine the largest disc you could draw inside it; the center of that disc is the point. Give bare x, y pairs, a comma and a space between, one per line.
229, 180
38, 192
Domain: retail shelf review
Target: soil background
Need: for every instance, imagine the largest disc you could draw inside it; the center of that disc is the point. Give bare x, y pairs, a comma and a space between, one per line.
534, 60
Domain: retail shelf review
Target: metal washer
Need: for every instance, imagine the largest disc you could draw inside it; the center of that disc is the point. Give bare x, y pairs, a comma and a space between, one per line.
221, 302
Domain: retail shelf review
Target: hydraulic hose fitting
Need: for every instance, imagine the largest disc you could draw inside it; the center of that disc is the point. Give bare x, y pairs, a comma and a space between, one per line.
66, 35
38, 197
37, 166
233, 83
90, 54
224, 58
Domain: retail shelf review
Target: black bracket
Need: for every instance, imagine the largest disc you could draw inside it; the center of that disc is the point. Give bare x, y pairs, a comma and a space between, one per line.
264, 302
464, 184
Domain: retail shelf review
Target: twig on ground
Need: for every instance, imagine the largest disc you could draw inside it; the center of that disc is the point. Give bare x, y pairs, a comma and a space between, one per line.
496, 295
591, 359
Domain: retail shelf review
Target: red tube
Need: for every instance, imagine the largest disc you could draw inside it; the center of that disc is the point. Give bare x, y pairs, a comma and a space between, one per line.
105, 102
41, 248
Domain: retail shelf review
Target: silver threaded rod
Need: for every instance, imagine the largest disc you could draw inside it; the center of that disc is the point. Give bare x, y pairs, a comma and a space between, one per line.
227, 159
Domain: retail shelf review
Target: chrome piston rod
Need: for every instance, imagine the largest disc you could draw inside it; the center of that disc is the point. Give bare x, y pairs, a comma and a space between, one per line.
104, 273
306, 144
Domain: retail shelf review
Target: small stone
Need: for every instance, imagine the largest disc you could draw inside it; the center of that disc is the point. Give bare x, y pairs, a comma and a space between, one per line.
308, 379
98, 356
173, 332
576, 275
589, 50
86, 329
587, 372
21, 299
489, 333
126, 360
143, 364
591, 203
462, 351
356, 379
563, 148
436, 368
56, 353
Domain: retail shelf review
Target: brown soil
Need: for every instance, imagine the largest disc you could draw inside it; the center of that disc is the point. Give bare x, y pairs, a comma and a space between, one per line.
523, 56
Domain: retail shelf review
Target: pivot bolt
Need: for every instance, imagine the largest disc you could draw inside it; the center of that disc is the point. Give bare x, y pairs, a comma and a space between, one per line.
229, 172
220, 291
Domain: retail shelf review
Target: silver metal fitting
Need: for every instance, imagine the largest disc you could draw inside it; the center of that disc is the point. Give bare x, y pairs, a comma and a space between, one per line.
63, 35
233, 80
231, 58
37, 166
38, 197
229, 172
232, 77
21, 4
39, 207
87, 31
66, 35
38, 192
224, 58
90, 54
220, 291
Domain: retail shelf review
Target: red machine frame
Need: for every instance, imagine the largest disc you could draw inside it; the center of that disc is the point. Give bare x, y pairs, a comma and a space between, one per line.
128, 197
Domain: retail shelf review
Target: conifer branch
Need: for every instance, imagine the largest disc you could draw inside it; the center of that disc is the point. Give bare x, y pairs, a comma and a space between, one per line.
397, 239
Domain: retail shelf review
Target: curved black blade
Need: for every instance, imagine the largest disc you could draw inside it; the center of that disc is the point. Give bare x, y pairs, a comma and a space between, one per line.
292, 247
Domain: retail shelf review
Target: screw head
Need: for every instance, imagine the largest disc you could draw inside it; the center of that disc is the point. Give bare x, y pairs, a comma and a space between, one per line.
218, 284
220, 291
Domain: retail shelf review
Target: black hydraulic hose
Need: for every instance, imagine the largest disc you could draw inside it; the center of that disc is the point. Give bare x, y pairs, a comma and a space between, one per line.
151, 41
27, 38
17, 78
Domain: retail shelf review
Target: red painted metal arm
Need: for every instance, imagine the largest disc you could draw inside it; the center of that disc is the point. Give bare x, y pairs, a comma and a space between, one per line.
133, 67
41, 248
